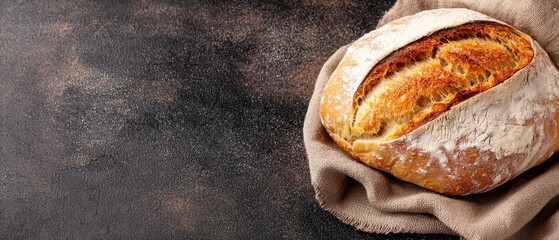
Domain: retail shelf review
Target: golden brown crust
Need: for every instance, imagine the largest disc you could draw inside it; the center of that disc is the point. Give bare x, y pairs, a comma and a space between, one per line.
434, 73
409, 88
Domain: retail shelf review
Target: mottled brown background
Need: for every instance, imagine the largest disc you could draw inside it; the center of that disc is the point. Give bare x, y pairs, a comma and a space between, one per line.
165, 119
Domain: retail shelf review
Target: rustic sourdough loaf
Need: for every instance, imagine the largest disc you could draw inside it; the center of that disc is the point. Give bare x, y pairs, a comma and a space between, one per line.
448, 99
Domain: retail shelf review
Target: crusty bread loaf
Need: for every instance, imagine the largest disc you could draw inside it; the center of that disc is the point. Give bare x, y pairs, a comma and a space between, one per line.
448, 99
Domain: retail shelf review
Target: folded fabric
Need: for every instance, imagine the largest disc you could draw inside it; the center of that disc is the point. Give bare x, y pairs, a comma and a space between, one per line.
526, 207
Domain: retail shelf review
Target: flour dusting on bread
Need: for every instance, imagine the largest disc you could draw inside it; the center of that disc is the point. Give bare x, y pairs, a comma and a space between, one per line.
493, 115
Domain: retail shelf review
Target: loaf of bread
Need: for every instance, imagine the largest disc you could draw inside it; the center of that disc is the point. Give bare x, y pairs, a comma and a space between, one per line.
448, 99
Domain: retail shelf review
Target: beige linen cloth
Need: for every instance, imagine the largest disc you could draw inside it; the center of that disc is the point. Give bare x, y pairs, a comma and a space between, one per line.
526, 207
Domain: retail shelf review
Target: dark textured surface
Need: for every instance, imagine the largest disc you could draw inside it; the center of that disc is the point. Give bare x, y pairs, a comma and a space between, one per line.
165, 119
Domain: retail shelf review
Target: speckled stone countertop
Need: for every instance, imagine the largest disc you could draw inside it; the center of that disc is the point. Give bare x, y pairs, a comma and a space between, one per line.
165, 119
